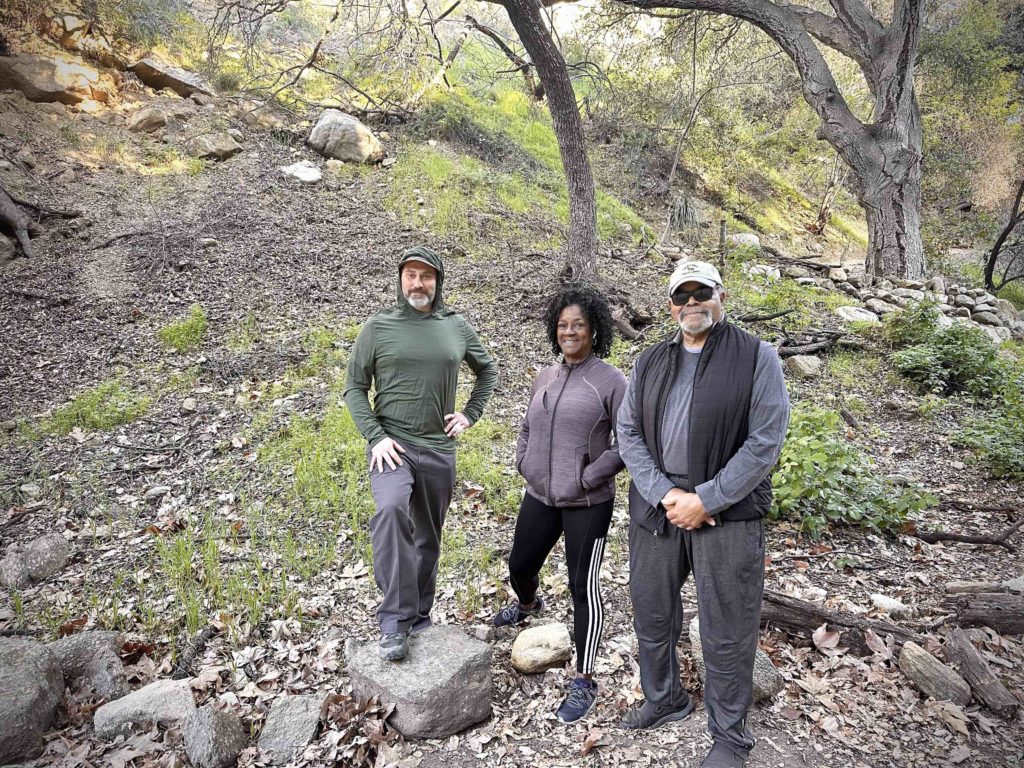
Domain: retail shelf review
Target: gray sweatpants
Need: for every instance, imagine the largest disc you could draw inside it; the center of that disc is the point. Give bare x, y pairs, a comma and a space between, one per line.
727, 562
406, 535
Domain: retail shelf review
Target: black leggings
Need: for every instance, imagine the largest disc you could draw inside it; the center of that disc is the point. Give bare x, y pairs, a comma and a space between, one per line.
585, 528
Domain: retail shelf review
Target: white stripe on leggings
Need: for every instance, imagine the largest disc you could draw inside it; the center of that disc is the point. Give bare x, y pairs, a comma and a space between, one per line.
595, 622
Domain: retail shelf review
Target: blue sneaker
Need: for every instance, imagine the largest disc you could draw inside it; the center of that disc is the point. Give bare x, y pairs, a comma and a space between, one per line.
581, 699
514, 613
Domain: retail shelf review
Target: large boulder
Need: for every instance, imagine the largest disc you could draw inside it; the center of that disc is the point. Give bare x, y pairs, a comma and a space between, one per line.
804, 366
442, 687
147, 120
42, 558
90, 664
1006, 310
158, 75
767, 679
165, 702
541, 647
77, 34
213, 146
343, 137
856, 315
31, 686
880, 307
52, 78
291, 726
213, 738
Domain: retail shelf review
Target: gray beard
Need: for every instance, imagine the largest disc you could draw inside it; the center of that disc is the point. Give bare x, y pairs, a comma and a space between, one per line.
706, 321
420, 303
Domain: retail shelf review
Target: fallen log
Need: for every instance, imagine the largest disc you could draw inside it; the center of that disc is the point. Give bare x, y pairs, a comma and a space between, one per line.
800, 617
983, 681
1002, 611
932, 676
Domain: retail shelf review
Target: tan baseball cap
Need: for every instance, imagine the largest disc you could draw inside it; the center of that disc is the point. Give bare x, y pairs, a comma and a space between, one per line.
694, 271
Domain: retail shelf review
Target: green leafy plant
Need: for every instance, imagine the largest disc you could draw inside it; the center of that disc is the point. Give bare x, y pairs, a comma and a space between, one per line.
822, 478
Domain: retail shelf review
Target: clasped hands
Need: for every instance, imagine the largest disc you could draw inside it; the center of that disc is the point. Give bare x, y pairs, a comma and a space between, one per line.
685, 510
388, 450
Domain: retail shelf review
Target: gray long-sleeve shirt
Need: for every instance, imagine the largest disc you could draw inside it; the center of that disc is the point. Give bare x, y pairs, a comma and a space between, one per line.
767, 419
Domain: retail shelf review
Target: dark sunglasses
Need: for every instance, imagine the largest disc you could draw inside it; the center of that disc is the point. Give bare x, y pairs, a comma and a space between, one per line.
680, 298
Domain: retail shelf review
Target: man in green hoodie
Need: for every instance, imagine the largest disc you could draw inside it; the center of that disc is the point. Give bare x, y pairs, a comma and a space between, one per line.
410, 354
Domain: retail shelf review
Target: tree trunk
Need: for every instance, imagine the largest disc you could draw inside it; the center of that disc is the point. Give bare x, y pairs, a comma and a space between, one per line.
581, 250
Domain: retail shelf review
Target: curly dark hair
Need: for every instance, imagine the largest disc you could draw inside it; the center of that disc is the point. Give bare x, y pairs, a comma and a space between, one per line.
594, 307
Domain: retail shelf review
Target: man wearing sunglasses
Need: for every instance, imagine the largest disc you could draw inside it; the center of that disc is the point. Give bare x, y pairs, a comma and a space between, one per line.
700, 428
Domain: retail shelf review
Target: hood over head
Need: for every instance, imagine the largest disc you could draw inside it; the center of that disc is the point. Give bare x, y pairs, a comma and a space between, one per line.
427, 256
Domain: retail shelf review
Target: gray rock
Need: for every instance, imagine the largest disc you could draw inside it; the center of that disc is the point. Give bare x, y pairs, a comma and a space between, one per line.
1017, 330
213, 146
914, 285
794, 271
986, 307
986, 318
856, 314
442, 687
857, 281
909, 293
885, 284
158, 76
343, 137
213, 738
147, 120
961, 312
1006, 310
998, 334
880, 307
986, 298
937, 284
804, 366
42, 558
541, 647
90, 664
236, 134
963, 300
31, 686
164, 702
202, 99
304, 171
291, 726
1015, 585
838, 274
764, 270
743, 239
767, 680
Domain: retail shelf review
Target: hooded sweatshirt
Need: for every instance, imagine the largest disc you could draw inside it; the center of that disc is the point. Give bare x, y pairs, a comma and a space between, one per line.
411, 359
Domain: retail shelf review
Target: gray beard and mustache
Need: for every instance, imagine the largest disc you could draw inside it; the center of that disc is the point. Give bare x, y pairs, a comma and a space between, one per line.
419, 301
696, 322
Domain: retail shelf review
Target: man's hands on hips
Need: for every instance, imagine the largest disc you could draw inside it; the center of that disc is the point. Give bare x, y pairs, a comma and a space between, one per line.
454, 423
685, 510
387, 450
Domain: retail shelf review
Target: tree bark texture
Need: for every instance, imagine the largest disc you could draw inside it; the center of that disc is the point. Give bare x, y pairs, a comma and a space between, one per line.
1003, 612
581, 252
884, 155
986, 686
800, 617
932, 676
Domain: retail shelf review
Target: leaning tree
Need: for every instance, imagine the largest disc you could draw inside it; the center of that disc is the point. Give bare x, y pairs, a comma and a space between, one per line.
884, 155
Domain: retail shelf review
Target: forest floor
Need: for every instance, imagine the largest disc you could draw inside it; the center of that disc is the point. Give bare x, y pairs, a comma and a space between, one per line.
233, 498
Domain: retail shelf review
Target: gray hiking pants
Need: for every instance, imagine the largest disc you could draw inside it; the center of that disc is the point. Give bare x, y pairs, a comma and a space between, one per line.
406, 534
727, 562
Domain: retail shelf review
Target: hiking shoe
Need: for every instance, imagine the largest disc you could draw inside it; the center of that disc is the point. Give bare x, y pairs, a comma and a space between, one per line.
514, 613
393, 645
581, 699
651, 716
723, 756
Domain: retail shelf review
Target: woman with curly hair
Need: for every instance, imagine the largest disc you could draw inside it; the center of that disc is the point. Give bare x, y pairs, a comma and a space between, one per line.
567, 456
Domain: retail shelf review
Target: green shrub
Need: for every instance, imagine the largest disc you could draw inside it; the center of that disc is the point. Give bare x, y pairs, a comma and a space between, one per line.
997, 436
187, 334
823, 479
959, 358
105, 406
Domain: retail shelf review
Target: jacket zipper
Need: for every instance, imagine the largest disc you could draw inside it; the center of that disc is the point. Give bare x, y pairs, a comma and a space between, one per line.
551, 432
